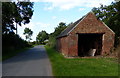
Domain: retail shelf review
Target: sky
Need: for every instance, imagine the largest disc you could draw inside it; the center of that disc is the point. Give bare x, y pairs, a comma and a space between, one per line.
49, 13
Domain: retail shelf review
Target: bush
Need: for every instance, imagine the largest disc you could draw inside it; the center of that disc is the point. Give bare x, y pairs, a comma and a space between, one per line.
12, 42
52, 42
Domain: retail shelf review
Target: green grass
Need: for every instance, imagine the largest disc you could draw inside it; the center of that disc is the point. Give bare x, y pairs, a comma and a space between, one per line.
81, 66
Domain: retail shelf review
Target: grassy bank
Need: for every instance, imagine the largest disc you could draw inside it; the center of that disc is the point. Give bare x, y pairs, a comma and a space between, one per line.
81, 66
12, 53
12, 44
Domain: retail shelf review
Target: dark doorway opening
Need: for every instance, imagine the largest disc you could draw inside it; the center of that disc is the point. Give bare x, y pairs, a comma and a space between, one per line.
86, 42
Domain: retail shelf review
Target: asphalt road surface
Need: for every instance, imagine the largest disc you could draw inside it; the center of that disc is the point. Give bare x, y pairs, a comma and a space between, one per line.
33, 62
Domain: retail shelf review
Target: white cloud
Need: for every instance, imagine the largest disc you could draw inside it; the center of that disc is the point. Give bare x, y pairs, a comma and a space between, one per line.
43, 25
48, 8
68, 4
54, 17
30, 25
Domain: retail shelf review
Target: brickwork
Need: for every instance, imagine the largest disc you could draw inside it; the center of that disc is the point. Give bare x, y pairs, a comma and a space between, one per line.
89, 24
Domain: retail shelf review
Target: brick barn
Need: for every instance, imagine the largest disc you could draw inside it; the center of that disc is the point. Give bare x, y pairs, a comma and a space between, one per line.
84, 35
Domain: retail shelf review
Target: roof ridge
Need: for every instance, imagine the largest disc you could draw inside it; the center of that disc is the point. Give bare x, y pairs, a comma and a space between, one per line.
66, 31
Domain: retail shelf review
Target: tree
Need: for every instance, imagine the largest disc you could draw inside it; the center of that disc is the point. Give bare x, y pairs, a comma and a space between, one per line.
41, 37
28, 33
58, 30
20, 12
110, 15
14, 13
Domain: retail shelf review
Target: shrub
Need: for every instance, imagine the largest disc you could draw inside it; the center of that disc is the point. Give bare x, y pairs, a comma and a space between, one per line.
12, 42
52, 42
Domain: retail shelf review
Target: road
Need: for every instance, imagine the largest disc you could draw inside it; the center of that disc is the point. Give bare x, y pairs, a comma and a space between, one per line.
33, 62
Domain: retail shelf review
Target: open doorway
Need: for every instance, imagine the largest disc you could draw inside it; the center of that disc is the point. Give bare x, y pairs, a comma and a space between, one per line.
86, 42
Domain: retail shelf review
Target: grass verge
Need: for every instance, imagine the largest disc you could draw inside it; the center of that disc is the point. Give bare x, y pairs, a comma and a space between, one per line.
13, 53
81, 66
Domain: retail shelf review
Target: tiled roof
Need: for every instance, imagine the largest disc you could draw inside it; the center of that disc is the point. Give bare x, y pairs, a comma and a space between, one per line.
69, 28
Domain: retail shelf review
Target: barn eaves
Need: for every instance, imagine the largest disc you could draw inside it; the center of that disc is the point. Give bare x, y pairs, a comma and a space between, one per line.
69, 28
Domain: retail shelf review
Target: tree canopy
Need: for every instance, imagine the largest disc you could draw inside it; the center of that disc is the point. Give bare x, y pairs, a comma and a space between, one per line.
111, 16
20, 12
28, 33
59, 29
52, 37
42, 36
14, 13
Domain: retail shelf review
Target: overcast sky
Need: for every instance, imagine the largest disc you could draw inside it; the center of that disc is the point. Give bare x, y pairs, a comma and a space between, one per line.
49, 13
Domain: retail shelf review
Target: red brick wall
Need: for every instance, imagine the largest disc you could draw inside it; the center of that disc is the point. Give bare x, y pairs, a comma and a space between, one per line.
62, 45
90, 24
72, 45
69, 45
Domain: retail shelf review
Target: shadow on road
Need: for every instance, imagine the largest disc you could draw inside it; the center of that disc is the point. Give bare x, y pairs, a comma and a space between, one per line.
35, 53
33, 62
